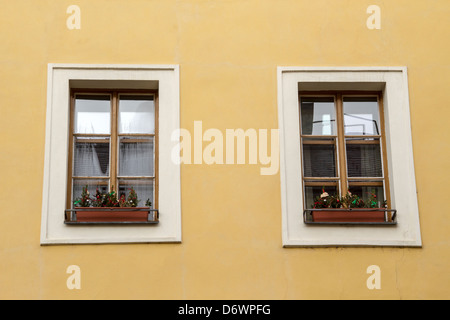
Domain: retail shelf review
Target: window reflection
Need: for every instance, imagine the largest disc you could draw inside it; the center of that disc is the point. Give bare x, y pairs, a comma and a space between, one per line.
361, 116
318, 116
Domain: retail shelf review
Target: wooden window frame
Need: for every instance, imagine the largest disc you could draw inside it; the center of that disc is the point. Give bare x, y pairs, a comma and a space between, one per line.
114, 137
342, 182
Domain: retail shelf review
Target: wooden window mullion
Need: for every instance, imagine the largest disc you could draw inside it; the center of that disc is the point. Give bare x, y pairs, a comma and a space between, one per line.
113, 143
70, 153
341, 144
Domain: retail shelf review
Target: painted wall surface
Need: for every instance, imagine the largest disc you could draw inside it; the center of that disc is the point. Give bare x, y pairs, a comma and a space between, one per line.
228, 52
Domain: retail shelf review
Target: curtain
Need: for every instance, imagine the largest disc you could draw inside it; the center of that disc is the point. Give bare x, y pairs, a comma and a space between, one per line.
90, 160
136, 159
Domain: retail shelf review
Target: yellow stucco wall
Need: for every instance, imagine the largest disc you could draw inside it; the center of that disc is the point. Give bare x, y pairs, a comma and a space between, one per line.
228, 52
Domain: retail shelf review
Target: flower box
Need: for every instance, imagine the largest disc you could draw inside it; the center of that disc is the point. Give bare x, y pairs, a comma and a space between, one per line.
111, 215
107, 208
349, 209
350, 216
353, 215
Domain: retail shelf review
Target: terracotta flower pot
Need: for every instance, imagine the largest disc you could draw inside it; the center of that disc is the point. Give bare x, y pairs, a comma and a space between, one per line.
104, 214
349, 215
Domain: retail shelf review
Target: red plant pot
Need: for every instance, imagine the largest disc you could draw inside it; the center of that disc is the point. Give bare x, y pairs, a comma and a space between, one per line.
104, 214
349, 215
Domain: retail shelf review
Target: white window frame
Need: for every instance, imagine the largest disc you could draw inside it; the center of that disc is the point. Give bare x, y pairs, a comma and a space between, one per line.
61, 77
393, 82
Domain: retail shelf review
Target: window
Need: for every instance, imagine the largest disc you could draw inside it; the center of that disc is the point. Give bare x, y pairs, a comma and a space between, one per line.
343, 145
113, 144
346, 128
91, 140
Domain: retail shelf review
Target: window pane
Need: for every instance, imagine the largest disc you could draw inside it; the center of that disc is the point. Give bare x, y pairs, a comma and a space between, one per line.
318, 116
136, 114
361, 116
136, 156
92, 184
92, 114
365, 193
143, 187
364, 160
311, 193
319, 160
91, 157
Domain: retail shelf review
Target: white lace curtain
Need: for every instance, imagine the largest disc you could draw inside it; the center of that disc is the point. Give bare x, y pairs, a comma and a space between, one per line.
136, 159
87, 161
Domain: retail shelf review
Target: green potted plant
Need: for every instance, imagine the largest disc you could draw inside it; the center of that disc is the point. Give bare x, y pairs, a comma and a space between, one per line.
109, 208
348, 208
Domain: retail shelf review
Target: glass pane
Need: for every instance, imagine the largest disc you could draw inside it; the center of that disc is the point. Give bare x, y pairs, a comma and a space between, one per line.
364, 160
369, 194
361, 116
319, 160
143, 187
92, 186
92, 114
91, 157
311, 194
136, 114
136, 156
318, 116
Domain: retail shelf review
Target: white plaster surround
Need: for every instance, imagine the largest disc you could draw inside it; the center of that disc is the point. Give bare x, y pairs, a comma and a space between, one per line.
60, 77
393, 81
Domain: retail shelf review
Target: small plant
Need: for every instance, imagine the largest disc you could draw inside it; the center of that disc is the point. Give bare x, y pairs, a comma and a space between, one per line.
123, 201
352, 201
109, 199
98, 199
132, 198
347, 201
84, 200
326, 201
373, 202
